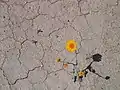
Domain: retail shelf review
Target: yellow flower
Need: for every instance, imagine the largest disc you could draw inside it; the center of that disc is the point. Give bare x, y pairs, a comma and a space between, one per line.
71, 45
65, 65
58, 60
81, 73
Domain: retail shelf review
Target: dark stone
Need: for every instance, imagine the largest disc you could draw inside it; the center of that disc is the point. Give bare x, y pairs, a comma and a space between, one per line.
97, 57
35, 42
29, 7
107, 77
93, 70
57, 36
38, 31
55, 74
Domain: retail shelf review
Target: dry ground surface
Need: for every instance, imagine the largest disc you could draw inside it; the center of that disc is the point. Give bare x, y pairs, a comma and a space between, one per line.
33, 34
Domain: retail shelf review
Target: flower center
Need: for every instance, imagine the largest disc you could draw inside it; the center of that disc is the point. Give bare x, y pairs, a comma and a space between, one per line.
71, 45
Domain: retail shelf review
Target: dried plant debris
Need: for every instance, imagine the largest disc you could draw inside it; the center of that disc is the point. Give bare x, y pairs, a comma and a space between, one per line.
78, 74
97, 57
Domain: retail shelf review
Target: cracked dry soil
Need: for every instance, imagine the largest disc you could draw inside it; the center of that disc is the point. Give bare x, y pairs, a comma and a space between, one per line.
33, 34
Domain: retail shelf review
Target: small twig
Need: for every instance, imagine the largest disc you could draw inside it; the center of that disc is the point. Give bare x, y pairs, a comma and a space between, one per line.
88, 66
